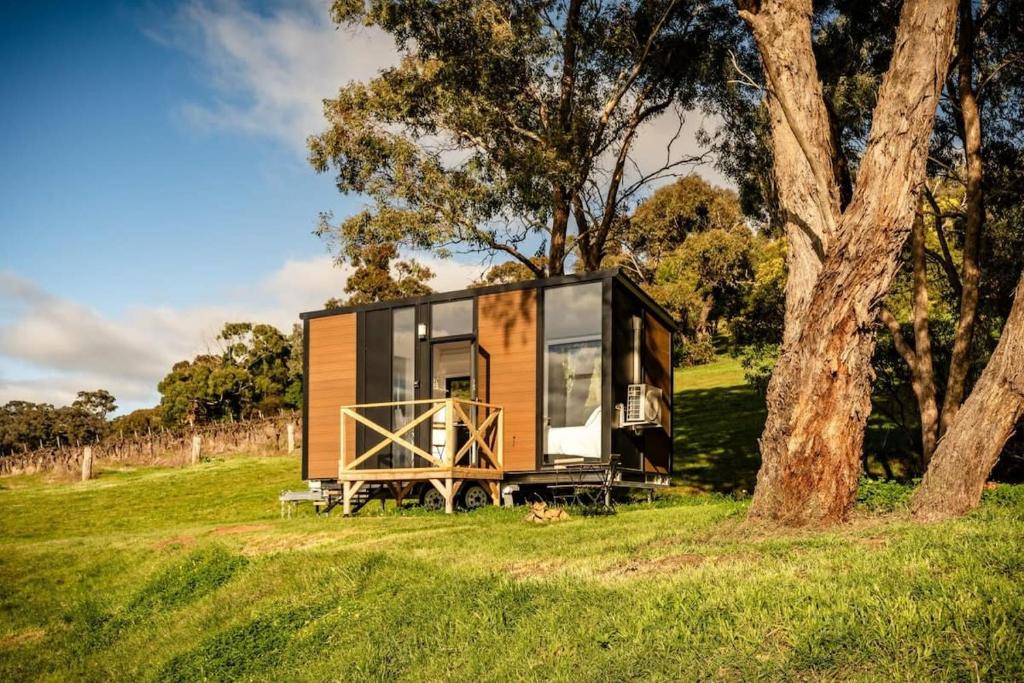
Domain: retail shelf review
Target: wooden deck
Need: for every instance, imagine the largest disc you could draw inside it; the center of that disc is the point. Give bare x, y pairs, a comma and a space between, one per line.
446, 465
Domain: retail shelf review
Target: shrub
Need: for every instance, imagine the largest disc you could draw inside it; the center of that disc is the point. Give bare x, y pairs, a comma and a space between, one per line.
699, 351
758, 362
879, 495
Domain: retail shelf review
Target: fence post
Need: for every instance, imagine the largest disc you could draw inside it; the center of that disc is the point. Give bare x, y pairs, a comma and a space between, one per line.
197, 447
291, 437
87, 463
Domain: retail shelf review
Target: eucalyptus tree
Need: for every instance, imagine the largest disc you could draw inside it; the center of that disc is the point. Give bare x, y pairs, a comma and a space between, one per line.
509, 127
844, 246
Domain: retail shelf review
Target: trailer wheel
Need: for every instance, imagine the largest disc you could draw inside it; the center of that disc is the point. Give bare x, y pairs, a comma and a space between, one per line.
431, 498
475, 496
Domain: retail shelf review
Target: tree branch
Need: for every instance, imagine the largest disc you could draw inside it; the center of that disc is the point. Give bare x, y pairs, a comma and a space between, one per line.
898, 340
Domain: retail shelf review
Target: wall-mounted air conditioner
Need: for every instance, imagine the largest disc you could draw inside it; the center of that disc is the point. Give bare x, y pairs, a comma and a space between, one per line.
643, 406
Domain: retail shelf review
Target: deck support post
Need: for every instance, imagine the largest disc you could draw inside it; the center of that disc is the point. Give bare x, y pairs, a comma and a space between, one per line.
449, 497
349, 489
346, 498
449, 432
495, 488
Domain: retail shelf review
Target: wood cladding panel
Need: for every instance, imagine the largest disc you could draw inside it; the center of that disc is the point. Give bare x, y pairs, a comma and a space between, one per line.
507, 331
658, 372
332, 384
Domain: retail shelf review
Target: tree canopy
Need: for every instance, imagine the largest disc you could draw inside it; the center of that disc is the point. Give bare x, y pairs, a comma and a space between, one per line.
258, 373
506, 124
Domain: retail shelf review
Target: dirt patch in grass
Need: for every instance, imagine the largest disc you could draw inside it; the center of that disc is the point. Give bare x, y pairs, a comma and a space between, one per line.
20, 638
175, 542
669, 564
278, 544
658, 565
534, 569
239, 529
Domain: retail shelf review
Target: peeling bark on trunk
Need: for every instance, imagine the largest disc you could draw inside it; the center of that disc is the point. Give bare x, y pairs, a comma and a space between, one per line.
819, 395
970, 278
971, 446
802, 142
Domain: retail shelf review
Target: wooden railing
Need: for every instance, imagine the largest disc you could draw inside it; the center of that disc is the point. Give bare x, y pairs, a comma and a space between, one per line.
484, 422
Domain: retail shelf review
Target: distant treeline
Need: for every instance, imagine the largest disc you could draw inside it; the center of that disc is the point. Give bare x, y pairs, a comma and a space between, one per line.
258, 374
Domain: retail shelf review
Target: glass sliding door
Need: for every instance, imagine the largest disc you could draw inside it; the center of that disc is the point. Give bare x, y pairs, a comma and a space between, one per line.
572, 371
403, 378
451, 371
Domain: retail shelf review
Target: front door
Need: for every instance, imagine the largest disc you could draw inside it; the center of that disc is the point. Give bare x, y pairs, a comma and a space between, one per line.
451, 371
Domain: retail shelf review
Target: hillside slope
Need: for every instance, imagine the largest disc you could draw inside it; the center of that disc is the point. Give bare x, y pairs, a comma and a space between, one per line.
191, 574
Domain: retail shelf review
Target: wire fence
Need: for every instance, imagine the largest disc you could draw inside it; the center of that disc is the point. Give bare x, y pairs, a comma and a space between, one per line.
166, 447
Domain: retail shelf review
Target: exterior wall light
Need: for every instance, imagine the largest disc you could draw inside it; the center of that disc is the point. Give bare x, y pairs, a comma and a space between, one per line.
421, 330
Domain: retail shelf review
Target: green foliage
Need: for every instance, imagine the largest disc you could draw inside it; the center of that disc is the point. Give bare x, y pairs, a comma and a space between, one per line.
698, 351
661, 223
762, 310
376, 278
705, 278
758, 363
879, 495
25, 426
138, 421
697, 256
1004, 495
258, 373
507, 272
504, 118
100, 402
207, 388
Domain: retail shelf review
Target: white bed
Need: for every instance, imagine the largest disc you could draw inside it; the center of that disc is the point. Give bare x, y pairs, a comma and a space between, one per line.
582, 441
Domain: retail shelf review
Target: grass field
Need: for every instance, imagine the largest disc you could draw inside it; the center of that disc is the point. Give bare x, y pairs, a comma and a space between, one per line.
718, 420
191, 574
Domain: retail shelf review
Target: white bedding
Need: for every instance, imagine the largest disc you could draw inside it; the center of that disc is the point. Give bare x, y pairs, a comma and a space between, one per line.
583, 441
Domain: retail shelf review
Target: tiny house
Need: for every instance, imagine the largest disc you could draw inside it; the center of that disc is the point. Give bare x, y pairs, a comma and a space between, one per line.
491, 393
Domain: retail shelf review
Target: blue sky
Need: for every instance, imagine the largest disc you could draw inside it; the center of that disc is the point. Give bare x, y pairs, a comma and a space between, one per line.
154, 183
110, 193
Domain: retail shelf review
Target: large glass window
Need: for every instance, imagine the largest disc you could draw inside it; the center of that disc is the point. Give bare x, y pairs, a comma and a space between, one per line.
572, 370
403, 376
451, 318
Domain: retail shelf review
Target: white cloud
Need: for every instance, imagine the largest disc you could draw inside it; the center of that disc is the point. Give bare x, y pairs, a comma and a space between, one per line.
271, 70
51, 347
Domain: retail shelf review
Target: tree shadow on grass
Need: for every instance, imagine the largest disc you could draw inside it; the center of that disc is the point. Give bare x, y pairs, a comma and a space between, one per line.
716, 432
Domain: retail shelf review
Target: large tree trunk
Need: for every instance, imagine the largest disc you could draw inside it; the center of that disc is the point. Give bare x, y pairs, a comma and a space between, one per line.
819, 395
970, 120
972, 444
804, 148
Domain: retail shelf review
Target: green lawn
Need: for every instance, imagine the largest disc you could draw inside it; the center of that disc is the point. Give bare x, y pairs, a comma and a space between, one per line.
191, 574
718, 420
